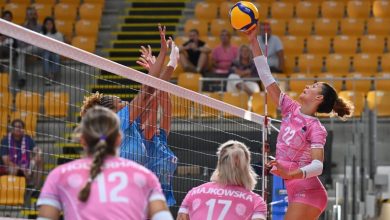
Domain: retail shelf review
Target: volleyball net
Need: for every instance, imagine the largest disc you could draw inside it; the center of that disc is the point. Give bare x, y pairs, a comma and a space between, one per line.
44, 82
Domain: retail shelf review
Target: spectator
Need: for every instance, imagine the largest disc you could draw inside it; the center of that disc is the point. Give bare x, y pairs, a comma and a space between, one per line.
31, 24
275, 48
223, 55
243, 67
194, 53
51, 60
20, 155
5, 41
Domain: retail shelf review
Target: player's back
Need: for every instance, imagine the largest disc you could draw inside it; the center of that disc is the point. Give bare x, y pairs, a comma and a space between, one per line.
121, 191
214, 201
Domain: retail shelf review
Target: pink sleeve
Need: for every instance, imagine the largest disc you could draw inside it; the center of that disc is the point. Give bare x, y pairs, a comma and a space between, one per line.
318, 136
185, 205
260, 211
49, 194
286, 104
155, 189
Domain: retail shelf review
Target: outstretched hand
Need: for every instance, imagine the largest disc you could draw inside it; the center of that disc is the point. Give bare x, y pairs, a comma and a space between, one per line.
164, 44
146, 59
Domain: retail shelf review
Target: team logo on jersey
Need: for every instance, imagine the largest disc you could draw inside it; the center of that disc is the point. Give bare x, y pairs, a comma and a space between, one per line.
75, 180
196, 204
240, 209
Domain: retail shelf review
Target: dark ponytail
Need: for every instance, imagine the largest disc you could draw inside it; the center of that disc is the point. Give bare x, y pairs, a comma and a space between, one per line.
343, 109
332, 103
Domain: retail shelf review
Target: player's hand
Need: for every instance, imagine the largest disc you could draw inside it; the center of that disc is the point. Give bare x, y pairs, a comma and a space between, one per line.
146, 59
164, 45
278, 169
252, 34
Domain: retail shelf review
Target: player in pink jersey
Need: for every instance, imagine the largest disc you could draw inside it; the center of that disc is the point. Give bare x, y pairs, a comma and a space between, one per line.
102, 185
229, 195
300, 143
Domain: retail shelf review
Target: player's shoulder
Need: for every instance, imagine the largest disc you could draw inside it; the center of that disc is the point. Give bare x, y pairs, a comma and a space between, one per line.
317, 125
129, 165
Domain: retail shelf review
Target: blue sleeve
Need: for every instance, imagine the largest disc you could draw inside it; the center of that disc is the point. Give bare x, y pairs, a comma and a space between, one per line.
4, 146
124, 118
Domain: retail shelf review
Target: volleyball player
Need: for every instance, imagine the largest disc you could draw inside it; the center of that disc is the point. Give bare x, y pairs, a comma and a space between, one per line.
229, 194
301, 141
102, 185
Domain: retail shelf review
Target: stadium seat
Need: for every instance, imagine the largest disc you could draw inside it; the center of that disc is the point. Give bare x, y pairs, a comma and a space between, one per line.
90, 11
101, 2
310, 63
5, 101
238, 40
43, 11
189, 81
200, 25
180, 107
212, 41
4, 80
293, 95
290, 63
357, 98
300, 27
372, 44
345, 44
318, 45
352, 26
263, 8
331, 79
224, 9
366, 64
217, 25
84, 43
293, 44
385, 62
180, 40
258, 105
18, 11
205, 111
278, 26
30, 119
87, 28
12, 189
379, 100
307, 10
357, 85
298, 81
332, 9
66, 28
3, 122
383, 84
64, 11
45, 2
238, 99
338, 63
28, 101
381, 9
75, 3
358, 9
282, 10
206, 10
378, 26
326, 27
56, 104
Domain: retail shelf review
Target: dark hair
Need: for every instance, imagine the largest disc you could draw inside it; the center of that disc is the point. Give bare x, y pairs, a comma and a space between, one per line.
18, 121
332, 102
100, 129
44, 29
98, 99
7, 13
195, 31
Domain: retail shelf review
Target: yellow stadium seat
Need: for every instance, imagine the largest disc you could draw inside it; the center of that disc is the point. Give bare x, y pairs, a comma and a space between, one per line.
30, 119
300, 27
331, 79
351, 82
84, 43
310, 63
5, 101
205, 111
56, 104
326, 27
357, 98
352, 26
298, 81
307, 10
12, 189
28, 101
189, 81
332, 9
101, 2
282, 10
4, 122
379, 101
206, 10
358, 9
338, 63
224, 9
293, 44
383, 84
65, 27
385, 62
212, 41
378, 26
278, 26
293, 95
45, 2
217, 25
345, 44
200, 25
239, 99
71, 2
64, 11
238, 40
290, 63
180, 107
43, 11
318, 45
365, 63
263, 8
381, 9
4, 80
87, 28
18, 11
180, 40
258, 105
90, 11
372, 44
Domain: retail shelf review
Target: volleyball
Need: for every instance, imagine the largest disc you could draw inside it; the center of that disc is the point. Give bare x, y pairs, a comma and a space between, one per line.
244, 16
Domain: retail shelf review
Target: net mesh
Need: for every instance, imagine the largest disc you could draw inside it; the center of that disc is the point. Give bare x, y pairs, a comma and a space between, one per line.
44, 83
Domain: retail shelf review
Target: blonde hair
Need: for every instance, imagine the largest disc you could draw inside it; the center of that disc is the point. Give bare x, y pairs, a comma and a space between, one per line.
98, 99
233, 166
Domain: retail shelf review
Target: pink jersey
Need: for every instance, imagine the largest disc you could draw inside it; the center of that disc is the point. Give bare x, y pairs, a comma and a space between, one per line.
122, 191
213, 201
298, 134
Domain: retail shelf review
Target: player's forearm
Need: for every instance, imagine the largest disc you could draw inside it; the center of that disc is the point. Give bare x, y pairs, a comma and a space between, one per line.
167, 73
256, 50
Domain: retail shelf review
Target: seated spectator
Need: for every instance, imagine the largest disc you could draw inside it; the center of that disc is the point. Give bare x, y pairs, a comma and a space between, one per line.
51, 60
6, 42
243, 67
223, 55
194, 53
275, 48
20, 155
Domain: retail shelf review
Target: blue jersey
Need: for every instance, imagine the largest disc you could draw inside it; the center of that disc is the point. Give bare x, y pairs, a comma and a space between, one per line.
132, 146
163, 162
